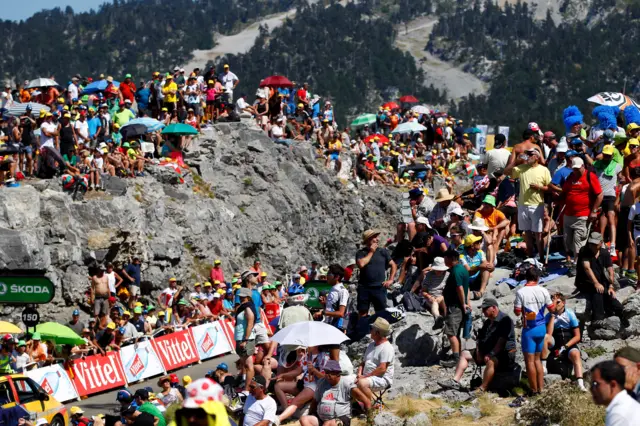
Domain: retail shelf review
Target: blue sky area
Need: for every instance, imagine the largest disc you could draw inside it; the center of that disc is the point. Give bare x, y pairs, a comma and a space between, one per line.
17, 10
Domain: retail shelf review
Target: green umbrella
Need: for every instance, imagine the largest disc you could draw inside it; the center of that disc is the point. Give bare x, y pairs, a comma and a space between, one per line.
60, 334
363, 119
179, 129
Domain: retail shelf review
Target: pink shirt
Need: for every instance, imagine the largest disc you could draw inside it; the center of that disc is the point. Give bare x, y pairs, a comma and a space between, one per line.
217, 274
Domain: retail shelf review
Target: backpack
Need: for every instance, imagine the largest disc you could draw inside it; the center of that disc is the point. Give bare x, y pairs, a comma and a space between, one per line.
412, 302
521, 269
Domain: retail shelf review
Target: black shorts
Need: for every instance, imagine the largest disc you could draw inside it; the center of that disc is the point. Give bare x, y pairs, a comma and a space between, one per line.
375, 295
622, 233
453, 321
509, 212
211, 103
505, 360
608, 203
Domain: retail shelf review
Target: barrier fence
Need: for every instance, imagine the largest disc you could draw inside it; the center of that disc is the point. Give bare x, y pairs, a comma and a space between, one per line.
156, 356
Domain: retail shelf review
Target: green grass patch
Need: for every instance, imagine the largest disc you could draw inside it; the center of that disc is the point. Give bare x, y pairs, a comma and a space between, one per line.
595, 351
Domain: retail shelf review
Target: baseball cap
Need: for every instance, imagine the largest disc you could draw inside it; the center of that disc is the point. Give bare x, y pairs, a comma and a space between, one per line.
533, 126
633, 142
471, 239
76, 313
562, 147
76, 410
217, 262
571, 153
127, 76
576, 163
260, 381
332, 366
124, 396
111, 326
174, 378
222, 366
137, 310
595, 238
487, 302
608, 150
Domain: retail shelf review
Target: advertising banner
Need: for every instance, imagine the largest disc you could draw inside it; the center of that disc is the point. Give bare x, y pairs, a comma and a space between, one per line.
176, 349
55, 381
481, 138
140, 362
272, 311
210, 340
228, 327
504, 130
98, 373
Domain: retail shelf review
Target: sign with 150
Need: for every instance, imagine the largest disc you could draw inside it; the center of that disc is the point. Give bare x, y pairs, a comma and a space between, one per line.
26, 290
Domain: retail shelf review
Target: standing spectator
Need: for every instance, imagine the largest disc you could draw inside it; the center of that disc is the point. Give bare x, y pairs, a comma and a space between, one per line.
244, 332
498, 157
38, 350
259, 408
475, 262
114, 279
73, 91
582, 195
229, 80
100, 292
128, 88
75, 323
132, 276
531, 301
373, 262
376, 370
23, 359
167, 297
607, 388
534, 181
607, 171
337, 298
595, 278
217, 274
170, 92
455, 295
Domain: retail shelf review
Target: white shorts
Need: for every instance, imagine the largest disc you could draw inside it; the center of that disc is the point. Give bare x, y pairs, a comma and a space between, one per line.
378, 383
530, 218
261, 333
134, 290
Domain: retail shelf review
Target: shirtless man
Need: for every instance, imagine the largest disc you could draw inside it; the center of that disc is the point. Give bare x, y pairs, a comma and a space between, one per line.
528, 142
100, 292
624, 241
631, 161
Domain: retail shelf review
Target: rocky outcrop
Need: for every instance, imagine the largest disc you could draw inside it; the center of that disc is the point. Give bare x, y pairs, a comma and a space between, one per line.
243, 197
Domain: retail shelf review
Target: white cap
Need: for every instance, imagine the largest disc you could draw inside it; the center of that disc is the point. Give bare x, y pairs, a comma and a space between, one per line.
458, 211
424, 221
216, 295
42, 422
577, 163
562, 146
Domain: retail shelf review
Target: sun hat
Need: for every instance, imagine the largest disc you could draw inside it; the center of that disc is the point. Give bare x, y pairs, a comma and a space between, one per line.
439, 265
424, 221
458, 212
244, 292
471, 239
382, 325
444, 195
368, 234
36, 336
489, 199
479, 224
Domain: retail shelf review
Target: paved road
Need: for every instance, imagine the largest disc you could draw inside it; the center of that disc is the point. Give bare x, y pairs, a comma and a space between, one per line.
105, 403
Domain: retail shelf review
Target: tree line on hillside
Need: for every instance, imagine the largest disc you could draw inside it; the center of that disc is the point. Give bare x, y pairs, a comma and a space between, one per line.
344, 54
541, 68
126, 36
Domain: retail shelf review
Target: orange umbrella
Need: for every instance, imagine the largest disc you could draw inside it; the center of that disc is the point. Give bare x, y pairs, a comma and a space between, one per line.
391, 105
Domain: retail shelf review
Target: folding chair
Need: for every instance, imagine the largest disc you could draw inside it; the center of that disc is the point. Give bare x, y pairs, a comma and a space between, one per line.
378, 404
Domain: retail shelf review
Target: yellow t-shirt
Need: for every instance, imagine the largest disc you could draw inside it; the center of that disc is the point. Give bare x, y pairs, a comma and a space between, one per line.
168, 96
335, 146
538, 175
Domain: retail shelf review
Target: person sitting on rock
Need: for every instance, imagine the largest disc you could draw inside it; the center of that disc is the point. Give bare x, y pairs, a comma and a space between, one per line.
629, 359
595, 279
475, 262
496, 221
563, 336
376, 371
431, 284
495, 347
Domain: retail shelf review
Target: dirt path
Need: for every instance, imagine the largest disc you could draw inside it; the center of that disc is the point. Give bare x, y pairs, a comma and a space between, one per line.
439, 73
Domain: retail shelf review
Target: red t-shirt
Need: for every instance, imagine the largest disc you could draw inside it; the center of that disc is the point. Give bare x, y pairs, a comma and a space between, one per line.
128, 90
577, 193
215, 306
302, 94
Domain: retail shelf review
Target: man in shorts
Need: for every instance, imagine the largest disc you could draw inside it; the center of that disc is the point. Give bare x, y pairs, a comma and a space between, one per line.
495, 347
100, 292
250, 281
455, 295
376, 371
534, 181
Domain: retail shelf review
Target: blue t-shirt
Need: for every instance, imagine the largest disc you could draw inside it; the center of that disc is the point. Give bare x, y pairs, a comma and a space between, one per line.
94, 123
566, 320
134, 272
227, 304
142, 98
561, 176
283, 91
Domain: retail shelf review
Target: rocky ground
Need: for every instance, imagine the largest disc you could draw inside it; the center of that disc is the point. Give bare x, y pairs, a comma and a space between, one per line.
243, 197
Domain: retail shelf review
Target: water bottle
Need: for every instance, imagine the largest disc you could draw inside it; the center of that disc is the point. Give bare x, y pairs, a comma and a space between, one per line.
51, 382
468, 324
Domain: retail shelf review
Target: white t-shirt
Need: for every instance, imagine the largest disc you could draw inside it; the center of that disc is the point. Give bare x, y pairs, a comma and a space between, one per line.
99, 162
82, 130
73, 91
256, 411
228, 80
191, 97
6, 99
240, 105
276, 131
47, 141
496, 159
111, 280
376, 355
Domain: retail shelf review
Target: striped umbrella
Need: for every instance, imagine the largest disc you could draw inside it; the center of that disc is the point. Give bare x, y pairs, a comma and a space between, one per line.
151, 123
18, 109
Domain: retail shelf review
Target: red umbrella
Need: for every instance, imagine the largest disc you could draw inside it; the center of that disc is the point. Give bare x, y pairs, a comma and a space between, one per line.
381, 138
409, 99
276, 81
391, 105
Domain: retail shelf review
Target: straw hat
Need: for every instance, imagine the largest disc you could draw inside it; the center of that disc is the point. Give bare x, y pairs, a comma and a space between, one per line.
444, 195
368, 234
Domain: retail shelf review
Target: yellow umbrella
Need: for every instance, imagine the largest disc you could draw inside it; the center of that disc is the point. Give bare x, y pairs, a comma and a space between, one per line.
7, 327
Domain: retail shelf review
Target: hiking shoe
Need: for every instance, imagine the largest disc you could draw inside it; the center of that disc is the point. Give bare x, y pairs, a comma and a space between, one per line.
449, 363
599, 323
450, 384
632, 275
518, 402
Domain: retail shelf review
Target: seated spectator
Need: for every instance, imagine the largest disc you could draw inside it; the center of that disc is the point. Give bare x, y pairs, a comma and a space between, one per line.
168, 395
495, 347
563, 336
475, 262
105, 339
332, 400
431, 284
376, 370
629, 359
259, 408
145, 406
76, 418
595, 279
496, 221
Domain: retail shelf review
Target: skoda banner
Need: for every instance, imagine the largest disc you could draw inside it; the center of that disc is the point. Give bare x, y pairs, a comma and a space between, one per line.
210, 340
140, 362
31, 290
55, 381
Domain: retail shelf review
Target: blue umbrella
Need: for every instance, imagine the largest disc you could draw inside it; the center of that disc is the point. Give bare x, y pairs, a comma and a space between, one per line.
97, 86
472, 130
151, 123
409, 127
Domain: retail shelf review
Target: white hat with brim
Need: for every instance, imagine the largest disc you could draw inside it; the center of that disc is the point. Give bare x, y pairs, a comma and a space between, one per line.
444, 195
423, 220
478, 224
439, 265
459, 212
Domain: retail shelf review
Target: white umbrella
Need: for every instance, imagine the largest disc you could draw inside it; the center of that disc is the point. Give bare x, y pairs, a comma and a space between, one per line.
41, 82
613, 99
18, 109
409, 127
309, 333
421, 109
